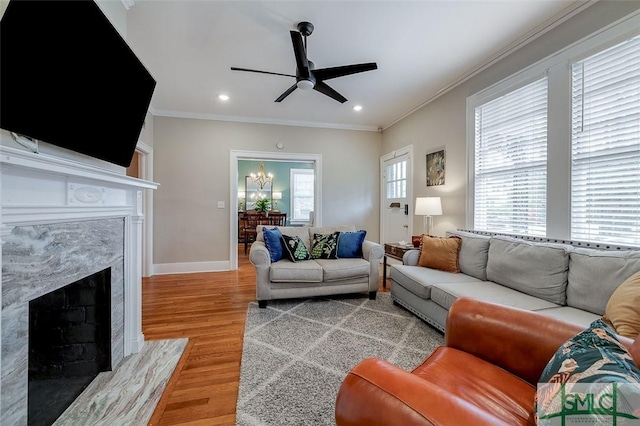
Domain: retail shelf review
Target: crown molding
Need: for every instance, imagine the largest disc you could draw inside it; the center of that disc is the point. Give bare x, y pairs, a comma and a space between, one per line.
259, 120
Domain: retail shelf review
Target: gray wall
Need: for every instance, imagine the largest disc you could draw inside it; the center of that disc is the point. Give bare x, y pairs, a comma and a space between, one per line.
191, 163
442, 122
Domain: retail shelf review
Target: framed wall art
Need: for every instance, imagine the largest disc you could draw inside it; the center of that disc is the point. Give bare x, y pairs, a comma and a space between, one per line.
435, 168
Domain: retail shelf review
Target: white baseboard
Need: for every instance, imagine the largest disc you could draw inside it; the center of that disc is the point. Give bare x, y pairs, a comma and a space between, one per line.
190, 267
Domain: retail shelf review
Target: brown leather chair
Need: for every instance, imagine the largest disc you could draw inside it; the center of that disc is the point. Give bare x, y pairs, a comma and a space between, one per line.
486, 373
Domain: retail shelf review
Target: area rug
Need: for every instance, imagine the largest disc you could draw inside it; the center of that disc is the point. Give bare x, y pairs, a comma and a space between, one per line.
297, 352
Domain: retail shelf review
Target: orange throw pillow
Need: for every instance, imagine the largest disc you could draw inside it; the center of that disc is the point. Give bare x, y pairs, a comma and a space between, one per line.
440, 253
623, 307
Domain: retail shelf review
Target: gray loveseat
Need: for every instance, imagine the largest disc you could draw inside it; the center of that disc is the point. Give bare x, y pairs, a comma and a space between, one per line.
317, 277
563, 281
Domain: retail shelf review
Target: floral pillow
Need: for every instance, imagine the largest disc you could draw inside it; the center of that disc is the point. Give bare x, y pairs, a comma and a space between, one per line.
293, 248
588, 363
324, 246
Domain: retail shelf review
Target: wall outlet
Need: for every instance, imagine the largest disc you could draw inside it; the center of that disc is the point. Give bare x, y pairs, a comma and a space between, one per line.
221, 204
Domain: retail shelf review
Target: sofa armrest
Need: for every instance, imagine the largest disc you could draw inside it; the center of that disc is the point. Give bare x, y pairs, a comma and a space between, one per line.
373, 252
376, 392
411, 257
259, 254
521, 342
260, 258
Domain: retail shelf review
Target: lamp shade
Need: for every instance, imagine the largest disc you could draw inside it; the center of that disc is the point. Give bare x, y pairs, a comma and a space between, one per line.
277, 195
428, 206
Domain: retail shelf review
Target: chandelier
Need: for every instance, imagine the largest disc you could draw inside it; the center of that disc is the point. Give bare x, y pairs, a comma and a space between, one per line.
261, 179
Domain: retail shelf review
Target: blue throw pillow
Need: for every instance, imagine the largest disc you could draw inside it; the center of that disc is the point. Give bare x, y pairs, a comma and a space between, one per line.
272, 241
350, 243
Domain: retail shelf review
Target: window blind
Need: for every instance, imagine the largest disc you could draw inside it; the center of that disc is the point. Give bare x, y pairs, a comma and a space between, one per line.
511, 162
605, 146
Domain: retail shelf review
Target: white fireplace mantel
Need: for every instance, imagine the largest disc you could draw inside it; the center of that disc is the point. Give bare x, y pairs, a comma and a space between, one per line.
39, 188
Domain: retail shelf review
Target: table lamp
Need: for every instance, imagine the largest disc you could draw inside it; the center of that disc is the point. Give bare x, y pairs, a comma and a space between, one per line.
276, 196
428, 207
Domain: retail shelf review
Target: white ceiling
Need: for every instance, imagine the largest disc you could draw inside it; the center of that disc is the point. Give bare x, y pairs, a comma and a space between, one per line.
421, 47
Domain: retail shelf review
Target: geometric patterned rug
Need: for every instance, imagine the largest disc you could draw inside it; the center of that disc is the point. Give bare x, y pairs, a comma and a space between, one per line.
296, 353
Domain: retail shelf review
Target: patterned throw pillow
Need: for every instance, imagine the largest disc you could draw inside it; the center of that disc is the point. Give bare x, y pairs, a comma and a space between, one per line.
272, 241
350, 243
294, 249
589, 362
324, 246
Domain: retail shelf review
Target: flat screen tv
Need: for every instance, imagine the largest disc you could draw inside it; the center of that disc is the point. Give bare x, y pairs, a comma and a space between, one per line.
68, 78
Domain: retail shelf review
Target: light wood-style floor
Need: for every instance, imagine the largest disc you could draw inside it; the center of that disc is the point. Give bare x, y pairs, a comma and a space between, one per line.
210, 309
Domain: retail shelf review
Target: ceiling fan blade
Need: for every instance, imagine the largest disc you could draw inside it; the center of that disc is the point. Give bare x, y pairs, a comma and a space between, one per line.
301, 54
286, 93
261, 72
328, 73
324, 88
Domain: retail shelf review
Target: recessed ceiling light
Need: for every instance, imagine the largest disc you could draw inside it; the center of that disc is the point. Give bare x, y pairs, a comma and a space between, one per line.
223, 97
357, 107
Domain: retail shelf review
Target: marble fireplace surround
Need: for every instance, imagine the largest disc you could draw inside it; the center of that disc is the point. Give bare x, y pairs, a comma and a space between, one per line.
61, 221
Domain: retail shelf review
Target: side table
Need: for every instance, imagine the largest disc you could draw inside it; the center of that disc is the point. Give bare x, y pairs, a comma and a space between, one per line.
394, 251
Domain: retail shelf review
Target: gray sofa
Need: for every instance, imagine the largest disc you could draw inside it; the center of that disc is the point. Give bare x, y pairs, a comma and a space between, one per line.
317, 277
563, 281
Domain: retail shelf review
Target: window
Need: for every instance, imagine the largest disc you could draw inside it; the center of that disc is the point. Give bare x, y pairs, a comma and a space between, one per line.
605, 145
397, 180
302, 190
510, 162
559, 156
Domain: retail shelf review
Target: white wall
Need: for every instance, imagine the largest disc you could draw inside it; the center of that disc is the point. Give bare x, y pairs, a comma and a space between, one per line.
442, 122
191, 163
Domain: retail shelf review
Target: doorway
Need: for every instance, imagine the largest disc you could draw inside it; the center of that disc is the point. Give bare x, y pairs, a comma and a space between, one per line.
142, 168
396, 195
236, 157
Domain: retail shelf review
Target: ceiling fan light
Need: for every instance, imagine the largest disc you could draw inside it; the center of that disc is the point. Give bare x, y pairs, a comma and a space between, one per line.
305, 84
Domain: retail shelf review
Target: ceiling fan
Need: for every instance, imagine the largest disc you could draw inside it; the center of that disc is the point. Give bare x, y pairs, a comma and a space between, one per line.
307, 77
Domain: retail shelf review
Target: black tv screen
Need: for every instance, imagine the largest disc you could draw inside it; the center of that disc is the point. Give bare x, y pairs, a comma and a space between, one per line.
68, 78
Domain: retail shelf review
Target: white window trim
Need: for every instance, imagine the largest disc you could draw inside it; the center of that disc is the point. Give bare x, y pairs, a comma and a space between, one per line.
291, 195
558, 70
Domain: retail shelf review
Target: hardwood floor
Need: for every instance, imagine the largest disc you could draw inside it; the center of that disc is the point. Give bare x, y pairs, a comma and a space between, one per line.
210, 309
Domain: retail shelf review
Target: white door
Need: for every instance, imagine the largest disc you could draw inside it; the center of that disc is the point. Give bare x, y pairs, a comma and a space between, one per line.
397, 205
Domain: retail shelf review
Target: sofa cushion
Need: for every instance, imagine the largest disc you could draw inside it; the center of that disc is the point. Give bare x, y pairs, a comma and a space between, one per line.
488, 388
474, 253
329, 229
295, 272
569, 314
418, 280
537, 269
273, 243
324, 246
343, 269
440, 253
595, 274
445, 294
294, 249
350, 244
593, 356
623, 308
